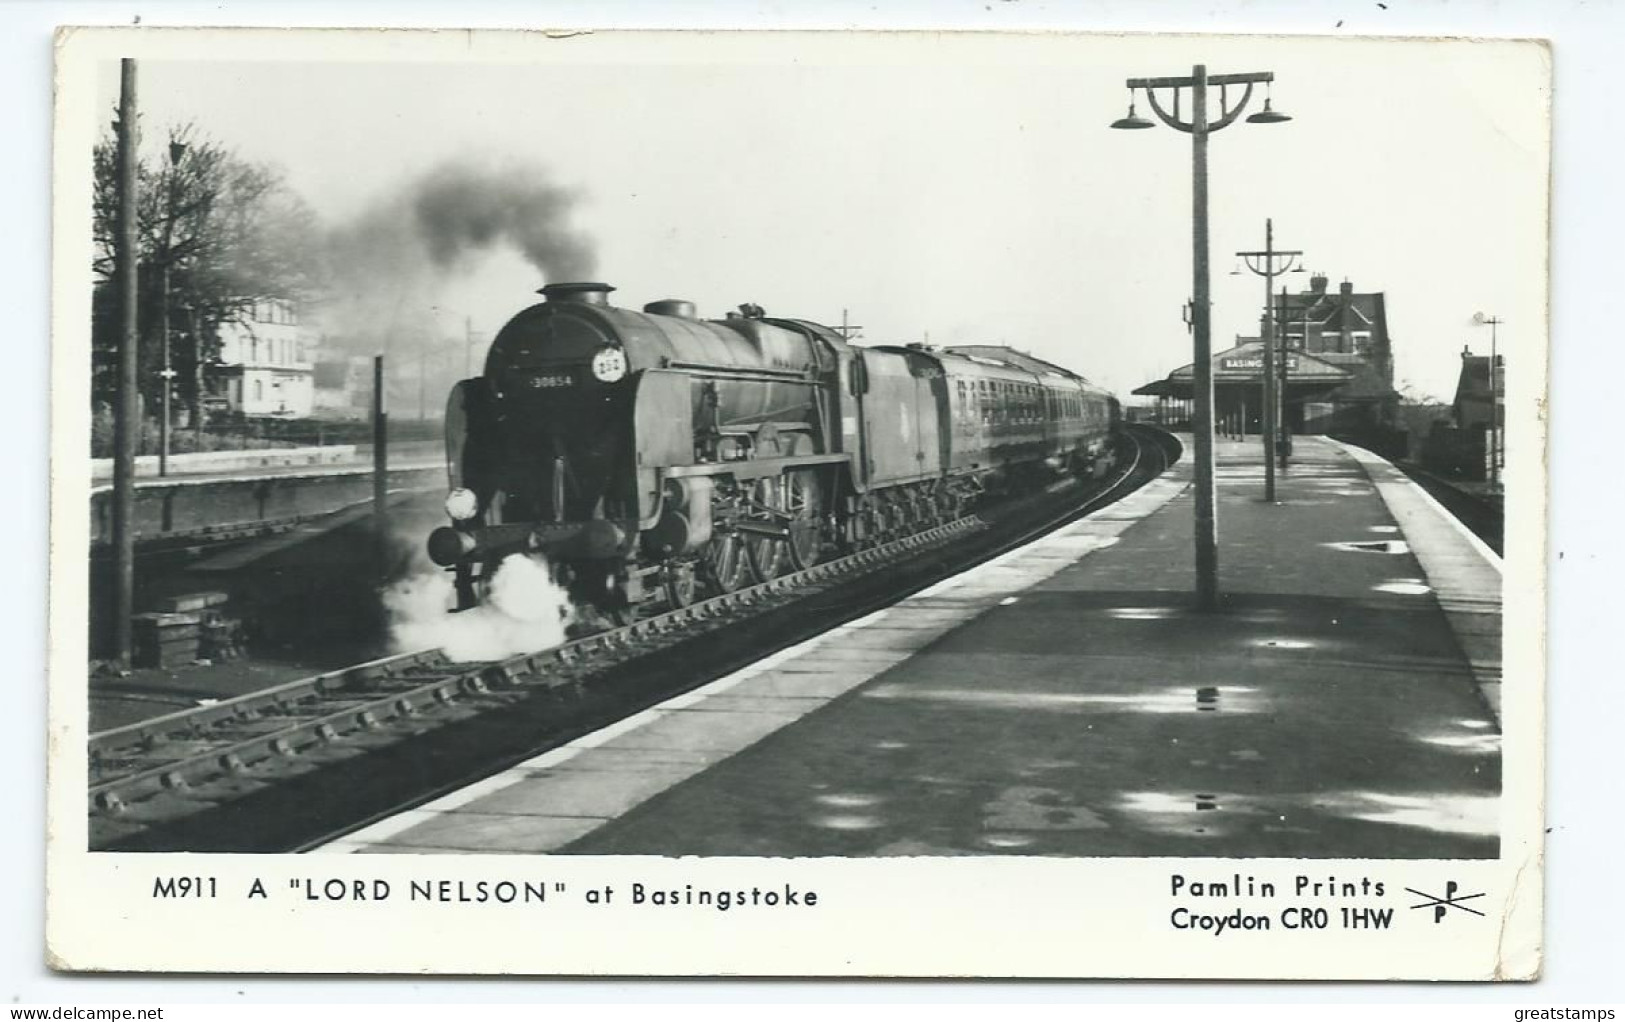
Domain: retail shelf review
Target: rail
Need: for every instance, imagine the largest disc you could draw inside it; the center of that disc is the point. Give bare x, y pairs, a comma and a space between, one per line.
181, 750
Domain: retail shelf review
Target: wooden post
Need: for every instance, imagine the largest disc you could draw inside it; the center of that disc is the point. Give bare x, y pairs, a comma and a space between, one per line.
380, 464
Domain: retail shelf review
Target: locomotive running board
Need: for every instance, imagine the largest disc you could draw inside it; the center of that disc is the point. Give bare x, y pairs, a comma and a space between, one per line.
754, 469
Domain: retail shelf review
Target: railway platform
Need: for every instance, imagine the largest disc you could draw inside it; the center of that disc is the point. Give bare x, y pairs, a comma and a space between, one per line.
1068, 699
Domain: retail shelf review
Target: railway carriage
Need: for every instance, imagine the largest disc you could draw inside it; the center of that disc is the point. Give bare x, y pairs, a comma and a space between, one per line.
1063, 420
656, 456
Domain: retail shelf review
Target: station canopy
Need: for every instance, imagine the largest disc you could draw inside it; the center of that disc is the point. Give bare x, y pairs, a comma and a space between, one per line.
1244, 365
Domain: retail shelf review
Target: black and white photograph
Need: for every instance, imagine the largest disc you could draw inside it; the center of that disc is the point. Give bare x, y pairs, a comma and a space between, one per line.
797, 483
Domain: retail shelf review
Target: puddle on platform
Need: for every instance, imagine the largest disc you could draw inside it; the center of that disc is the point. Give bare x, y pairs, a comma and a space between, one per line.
1479, 743
1007, 840
889, 745
1404, 587
1474, 723
847, 822
1373, 546
1196, 814
1446, 813
1281, 644
1008, 600
848, 800
1167, 802
1384, 528
1141, 613
1169, 699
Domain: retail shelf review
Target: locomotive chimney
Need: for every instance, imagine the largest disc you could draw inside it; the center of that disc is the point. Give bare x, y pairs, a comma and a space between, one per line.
584, 292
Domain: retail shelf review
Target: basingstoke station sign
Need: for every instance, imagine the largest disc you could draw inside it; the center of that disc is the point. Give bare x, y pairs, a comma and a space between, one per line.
1243, 366
1254, 362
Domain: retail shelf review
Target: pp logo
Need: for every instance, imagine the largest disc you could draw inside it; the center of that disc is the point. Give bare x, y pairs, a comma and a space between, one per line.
1441, 906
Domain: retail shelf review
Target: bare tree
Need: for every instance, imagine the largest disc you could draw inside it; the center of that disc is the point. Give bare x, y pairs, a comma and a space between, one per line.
229, 232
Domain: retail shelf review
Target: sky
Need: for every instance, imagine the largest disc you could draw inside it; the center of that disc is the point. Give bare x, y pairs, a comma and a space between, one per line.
965, 188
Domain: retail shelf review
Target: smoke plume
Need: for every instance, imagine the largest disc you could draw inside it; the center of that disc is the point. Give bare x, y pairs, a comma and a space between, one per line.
525, 611
459, 210
388, 266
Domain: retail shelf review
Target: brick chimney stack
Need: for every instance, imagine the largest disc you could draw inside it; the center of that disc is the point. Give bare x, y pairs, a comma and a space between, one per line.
1317, 283
1346, 288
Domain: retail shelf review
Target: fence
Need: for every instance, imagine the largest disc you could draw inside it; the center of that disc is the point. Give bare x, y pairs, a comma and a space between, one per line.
259, 434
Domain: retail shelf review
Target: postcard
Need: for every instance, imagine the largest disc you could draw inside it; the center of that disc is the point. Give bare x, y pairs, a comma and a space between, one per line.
677, 503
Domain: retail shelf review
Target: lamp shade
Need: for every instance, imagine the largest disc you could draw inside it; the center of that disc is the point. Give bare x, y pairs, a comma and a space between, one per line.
1267, 116
1133, 122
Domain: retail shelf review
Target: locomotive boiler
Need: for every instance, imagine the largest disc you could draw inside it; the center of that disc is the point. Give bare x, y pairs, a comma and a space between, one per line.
658, 457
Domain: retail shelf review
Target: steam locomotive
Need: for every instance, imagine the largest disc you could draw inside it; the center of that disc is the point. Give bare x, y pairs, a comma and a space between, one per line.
654, 457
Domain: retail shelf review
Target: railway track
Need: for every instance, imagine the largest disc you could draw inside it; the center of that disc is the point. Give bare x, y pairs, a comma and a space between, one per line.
174, 781
1482, 516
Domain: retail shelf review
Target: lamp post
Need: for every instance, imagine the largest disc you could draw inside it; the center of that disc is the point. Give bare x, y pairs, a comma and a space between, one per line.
197, 376
177, 150
1199, 127
1495, 398
1264, 264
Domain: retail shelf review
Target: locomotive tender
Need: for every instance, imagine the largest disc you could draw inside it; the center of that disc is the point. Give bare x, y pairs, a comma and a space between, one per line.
656, 456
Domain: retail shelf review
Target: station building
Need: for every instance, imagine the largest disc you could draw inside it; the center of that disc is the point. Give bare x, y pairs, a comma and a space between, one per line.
1338, 377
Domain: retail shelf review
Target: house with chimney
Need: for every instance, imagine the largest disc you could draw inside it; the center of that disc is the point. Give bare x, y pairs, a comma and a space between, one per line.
1349, 330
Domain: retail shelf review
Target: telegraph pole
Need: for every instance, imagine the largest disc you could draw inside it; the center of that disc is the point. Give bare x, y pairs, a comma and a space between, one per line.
177, 150
1496, 444
125, 410
1264, 265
